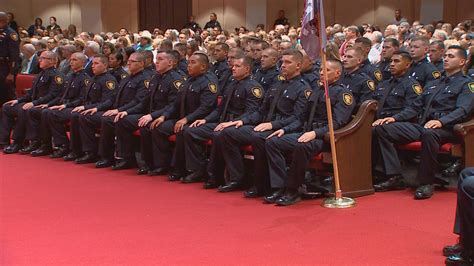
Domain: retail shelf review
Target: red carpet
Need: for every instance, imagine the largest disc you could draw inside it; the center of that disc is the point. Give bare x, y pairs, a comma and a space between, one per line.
58, 213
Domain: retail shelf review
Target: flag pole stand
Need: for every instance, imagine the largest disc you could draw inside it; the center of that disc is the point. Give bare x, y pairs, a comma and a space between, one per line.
338, 201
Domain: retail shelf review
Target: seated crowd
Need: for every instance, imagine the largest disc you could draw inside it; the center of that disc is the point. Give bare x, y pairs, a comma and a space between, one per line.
196, 98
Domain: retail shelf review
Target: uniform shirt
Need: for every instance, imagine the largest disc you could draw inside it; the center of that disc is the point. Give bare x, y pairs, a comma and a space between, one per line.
47, 85
395, 95
312, 79
384, 67
223, 72
266, 77
183, 65
150, 70
423, 71
449, 100
9, 51
359, 84
374, 73
240, 99
470, 73
283, 103
163, 90
197, 98
314, 116
257, 64
74, 84
131, 91
100, 93
439, 66
119, 73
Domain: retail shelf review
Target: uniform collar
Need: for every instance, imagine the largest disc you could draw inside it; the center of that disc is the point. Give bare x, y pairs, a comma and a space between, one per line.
297, 77
424, 60
453, 77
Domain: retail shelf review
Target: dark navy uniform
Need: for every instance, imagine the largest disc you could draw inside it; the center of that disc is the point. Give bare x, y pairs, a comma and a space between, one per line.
423, 71
46, 86
40, 118
384, 67
257, 64
374, 73
195, 101
360, 85
312, 78
266, 77
449, 100
439, 66
283, 104
119, 73
161, 98
183, 66
240, 99
314, 118
129, 93
98, 94
76, 85
223, 72
9, 62
150, 71
470, 73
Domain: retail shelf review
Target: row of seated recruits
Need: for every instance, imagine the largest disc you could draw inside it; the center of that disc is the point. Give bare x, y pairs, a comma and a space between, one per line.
279, 111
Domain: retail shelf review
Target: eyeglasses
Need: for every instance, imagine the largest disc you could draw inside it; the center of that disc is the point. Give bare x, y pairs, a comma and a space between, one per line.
45, 58
134, 61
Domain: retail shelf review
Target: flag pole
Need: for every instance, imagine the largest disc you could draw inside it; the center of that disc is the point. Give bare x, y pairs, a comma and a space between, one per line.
338, 201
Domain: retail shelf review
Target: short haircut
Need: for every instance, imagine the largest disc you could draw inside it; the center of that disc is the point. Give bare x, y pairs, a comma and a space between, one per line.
394, 42
357, 50
429, 28
247, 61
175, 53
80, 56
169, 54
438, 44
181, 47
460, 51
364, 41
166, 45
141, 56
50, 54
202, 58
336, 62
425, 41
118, 56
147, 55
223, 46
239, 53
403, 54
272, 52
297, 55
95, 47
103, 58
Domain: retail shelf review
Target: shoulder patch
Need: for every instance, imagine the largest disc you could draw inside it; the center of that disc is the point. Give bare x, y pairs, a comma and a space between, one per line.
471, 86
110, 85
378, 75
14, 36
281, 78
123, 75
320, 83
257, 92
347, 98
59, 80
307, 93
212, 87
177, 84
436, 74
87, 82
371, 85
417, 89
146, 82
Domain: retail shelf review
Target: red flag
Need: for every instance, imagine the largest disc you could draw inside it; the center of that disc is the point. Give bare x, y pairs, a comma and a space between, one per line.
313, 31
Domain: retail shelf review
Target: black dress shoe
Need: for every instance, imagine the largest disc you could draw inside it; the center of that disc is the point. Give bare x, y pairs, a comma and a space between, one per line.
210, 183
41, 151
176, 176
453, 169
59, 153
289, 198
87, 158
452, 250
424, 192
158, 171
12, 148
123, 164
463, 259
252, 193
104, 163
193, 178
272, 198
232, 186
72, 156
393, 183
143, 170
34, 144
